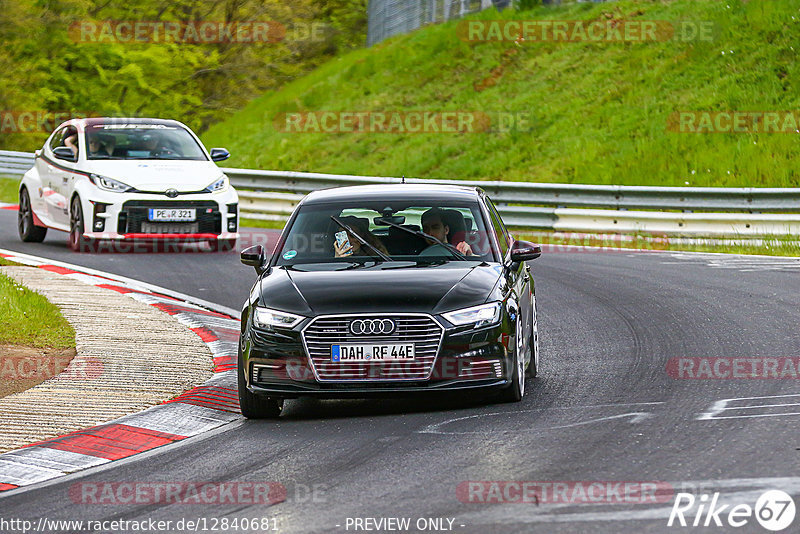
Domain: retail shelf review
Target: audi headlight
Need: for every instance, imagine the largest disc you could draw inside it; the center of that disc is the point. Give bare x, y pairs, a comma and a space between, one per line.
478, 316
109, 184
220, 185
267, 318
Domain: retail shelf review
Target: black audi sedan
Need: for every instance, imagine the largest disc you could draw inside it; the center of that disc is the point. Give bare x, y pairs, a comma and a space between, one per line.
388, 290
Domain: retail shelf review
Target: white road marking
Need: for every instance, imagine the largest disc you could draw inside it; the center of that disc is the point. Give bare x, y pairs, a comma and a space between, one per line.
636, 417
742, 263
27, 259
724, 405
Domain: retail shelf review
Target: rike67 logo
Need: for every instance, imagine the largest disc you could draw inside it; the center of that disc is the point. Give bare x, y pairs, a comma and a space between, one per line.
774, 510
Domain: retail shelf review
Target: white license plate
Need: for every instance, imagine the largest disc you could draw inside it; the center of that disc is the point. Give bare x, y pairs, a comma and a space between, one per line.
363, 352
172, 214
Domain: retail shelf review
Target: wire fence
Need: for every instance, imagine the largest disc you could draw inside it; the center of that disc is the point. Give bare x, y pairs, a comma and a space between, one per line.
392, 17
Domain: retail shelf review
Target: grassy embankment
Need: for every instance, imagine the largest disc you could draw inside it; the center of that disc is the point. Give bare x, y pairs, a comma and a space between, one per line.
598, 111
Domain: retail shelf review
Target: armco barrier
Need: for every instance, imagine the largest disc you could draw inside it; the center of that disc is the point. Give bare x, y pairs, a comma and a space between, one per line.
15, 163
693, 211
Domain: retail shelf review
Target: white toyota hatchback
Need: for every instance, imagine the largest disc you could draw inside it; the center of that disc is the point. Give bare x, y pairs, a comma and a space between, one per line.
128, 179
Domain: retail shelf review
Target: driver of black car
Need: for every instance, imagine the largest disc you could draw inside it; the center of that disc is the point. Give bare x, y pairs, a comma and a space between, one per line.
433, 224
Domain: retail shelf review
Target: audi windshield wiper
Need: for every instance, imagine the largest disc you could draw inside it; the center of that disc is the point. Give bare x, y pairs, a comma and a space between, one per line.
450, 248
350, 231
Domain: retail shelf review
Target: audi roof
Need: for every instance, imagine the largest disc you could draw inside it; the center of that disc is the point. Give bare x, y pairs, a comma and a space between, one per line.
394, 192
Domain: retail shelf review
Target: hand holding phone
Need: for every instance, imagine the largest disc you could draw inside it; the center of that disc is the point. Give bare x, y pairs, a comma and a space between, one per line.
342, 245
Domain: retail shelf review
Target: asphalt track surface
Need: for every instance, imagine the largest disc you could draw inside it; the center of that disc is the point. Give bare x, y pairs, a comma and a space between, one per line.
604, 408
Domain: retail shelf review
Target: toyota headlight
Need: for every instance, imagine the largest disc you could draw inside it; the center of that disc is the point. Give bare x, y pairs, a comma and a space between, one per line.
220, 185
109, 184
478, 316
268, 318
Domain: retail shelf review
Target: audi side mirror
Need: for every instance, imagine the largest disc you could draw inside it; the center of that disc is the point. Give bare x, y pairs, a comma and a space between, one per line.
255, 257
65, 153
219, 154
525, 251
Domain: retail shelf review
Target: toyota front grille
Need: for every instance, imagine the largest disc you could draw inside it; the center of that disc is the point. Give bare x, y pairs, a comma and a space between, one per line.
133, 217
420, 329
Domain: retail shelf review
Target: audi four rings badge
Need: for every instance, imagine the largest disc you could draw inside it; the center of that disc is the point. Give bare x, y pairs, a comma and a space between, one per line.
362, 327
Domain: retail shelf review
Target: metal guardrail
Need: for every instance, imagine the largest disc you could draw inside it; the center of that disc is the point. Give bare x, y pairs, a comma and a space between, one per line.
15, 163
706, 211
695, 211
617, 197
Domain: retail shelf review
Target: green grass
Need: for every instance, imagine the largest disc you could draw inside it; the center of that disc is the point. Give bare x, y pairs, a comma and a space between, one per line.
598, 111
9, 190
27, 318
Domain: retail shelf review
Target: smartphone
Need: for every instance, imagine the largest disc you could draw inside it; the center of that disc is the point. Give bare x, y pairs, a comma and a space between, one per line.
343, 241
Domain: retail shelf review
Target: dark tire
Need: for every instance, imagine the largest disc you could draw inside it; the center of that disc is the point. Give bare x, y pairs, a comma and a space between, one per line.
76, 241
516, 390
256, 406
222, 245
28, 232
533, 367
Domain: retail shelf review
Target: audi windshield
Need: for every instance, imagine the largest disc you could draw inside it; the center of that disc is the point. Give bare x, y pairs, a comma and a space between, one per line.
331, 236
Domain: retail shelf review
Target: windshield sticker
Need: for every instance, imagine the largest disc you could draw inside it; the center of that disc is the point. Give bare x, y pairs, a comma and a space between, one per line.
289, 254
138, 127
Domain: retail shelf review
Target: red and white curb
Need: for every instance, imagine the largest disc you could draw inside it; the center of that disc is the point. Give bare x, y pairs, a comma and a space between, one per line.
11, 207
201, 409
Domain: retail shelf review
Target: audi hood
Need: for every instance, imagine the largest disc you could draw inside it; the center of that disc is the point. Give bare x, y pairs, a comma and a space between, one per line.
158, 175
385, 287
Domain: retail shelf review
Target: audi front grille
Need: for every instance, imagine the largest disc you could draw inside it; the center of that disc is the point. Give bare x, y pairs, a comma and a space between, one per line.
420, 329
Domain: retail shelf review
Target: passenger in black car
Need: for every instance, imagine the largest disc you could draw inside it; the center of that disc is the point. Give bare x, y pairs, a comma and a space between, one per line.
361, 227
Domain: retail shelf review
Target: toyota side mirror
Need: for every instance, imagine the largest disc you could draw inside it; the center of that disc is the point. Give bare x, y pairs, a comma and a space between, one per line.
65, 153
525, 251
219, 154
255, 257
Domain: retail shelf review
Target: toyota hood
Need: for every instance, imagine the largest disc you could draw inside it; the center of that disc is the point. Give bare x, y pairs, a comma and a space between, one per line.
381, 288
156, 175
